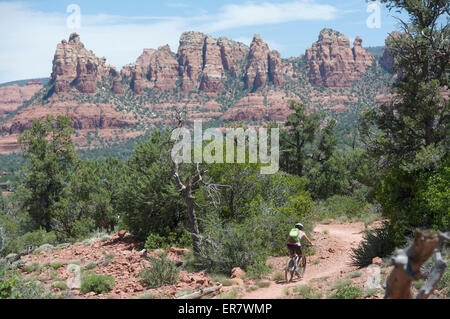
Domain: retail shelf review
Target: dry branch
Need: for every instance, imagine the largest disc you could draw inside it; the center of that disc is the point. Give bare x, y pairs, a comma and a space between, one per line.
408, 262
202, 292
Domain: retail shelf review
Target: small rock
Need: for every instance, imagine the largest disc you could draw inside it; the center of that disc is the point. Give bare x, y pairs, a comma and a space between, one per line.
11, 256
331, 250
45, 248
178, 251
377, 261
200, 281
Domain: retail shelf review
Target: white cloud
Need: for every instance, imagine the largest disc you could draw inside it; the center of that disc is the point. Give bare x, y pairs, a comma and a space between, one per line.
250, 14
28, 37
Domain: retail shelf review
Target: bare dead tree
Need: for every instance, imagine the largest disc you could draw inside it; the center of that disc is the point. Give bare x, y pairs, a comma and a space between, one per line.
408, 263
186, 189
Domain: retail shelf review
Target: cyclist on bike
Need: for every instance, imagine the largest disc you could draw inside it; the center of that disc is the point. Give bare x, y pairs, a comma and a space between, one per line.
293, 241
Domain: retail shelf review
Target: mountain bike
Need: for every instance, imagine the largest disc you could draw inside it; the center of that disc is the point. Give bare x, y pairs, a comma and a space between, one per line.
291, 268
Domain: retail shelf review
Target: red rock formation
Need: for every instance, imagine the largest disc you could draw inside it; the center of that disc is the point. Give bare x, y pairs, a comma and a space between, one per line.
213, 70
257, 64
263, 65
156, 69
387, 61
332, 63
233, 54
74, 65
362, 58
276, 68
117, 83
190, 59
13, 96
201, 63
83, 116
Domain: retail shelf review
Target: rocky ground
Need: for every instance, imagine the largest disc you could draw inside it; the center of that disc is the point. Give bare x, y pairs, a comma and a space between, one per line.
111, 256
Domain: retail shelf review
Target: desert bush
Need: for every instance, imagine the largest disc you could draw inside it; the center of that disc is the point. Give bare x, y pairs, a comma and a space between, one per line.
306, 292
14, 286
56, 265
60, 285
97, 283
258, 270
234, 245
180, 238
445, 282
344, 206
376, 243
162, 271
345, 290
278, 276
31, 239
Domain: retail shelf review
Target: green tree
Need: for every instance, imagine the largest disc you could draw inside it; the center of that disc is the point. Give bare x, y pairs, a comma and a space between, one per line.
151, 202
49, 149
409, 135
417, 117
301, 131
327, 142
90, 200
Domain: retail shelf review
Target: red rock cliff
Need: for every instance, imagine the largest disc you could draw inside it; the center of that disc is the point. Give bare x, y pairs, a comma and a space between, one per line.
74, 65
332, 63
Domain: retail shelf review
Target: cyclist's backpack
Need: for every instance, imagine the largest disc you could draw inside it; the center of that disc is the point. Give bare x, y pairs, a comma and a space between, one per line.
293, 235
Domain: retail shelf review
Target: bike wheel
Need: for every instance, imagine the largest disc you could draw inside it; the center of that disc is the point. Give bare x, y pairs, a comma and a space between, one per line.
289, 270
302, 266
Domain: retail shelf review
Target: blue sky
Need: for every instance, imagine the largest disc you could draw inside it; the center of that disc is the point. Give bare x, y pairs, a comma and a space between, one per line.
119, 30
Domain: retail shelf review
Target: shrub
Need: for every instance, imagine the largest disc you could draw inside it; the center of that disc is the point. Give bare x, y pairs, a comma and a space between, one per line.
306, 292
163, 271
345, 290
258, 270
355, 274
60, 285
97, 283
171, 238
155, 241
34, 267
445, 282
56, 265
278, 276
343, 206
376, 243
235, 245
32, 239
13, 286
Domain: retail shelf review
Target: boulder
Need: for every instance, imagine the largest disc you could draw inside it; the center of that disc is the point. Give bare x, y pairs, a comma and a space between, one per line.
377, 261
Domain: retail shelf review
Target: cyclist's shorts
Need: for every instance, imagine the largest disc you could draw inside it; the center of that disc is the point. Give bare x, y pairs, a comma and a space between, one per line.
295, 249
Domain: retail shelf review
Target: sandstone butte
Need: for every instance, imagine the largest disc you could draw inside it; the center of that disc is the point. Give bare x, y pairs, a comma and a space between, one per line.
332, 63
200, 67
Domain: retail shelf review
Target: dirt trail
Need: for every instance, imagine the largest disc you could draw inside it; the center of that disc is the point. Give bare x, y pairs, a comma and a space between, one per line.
333, 244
